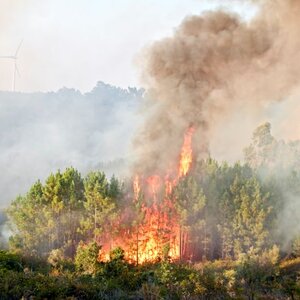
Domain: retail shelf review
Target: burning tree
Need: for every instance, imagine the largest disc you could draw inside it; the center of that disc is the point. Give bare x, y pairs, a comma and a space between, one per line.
159, 227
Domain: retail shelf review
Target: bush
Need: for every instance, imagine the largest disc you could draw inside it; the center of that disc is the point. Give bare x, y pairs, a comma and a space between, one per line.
10, 261
257, 272
86, 258
56, 257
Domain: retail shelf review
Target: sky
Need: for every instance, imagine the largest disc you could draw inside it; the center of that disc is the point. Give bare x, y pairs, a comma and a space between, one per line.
75, 43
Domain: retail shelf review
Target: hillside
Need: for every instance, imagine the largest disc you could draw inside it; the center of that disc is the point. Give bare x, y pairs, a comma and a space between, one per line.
42, 132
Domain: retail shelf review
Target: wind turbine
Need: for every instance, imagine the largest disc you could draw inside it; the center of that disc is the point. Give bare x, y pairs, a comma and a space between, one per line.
16, 70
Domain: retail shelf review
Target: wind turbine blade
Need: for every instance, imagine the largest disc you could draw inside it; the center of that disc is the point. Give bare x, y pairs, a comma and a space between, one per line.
17, 51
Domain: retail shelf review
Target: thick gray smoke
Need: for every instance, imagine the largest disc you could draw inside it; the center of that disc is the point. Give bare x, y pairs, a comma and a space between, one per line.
223, 76
214, 69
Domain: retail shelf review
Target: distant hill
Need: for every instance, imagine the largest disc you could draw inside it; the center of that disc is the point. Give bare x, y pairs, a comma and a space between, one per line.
43, 132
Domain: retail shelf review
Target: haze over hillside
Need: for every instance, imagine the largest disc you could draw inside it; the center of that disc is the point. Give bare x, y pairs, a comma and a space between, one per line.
43, 132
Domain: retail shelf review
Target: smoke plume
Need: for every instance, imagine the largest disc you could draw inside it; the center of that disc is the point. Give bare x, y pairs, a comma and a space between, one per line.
223, 76
216, 67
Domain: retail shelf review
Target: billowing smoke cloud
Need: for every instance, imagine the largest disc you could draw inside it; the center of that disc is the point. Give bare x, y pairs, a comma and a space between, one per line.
223, 76
215, 68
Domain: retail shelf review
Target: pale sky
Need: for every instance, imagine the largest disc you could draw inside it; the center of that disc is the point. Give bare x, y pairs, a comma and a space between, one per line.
75, 43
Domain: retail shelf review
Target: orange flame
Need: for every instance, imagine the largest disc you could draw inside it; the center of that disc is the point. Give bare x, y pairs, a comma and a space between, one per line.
186, 156
156, 232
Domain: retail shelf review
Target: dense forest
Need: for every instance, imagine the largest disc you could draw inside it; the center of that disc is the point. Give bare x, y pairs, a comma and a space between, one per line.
238, 224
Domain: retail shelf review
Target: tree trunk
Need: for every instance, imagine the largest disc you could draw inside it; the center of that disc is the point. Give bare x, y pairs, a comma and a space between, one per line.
95, 222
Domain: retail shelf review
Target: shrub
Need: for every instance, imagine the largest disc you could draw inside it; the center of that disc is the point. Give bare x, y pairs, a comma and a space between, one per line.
86, 258
10, 261
256, 272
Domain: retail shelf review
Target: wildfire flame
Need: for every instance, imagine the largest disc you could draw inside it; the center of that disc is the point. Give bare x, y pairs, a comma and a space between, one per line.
186, 156
156, 232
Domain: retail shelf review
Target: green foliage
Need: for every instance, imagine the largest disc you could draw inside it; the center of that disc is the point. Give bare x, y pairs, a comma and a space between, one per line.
229, 218
261, 149
254, 271
10, 261
59, 262
250, 222
100, 206
289, 277
55, 257
150, 292
187, 282
296, 247
252, 276
117, 254
118, 270
86, 258
47, 216
190, 204
63, 211
32, 285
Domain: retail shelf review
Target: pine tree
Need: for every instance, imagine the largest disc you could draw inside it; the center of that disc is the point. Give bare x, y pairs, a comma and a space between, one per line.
99, 207
251, 216
190, 204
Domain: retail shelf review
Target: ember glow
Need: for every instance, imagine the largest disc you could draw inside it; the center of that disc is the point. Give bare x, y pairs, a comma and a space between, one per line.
156, 231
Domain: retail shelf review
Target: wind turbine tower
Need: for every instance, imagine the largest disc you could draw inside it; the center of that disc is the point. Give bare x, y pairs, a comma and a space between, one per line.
14, 58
